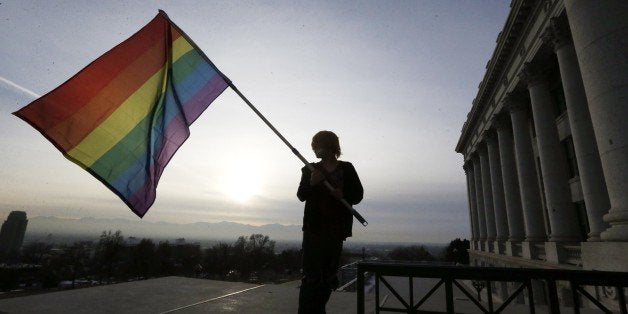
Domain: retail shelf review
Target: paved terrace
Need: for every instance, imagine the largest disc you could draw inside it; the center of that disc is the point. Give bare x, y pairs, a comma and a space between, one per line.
189, 295
175, 294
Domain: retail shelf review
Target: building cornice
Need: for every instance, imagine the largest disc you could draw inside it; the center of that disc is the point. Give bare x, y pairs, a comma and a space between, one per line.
507, 43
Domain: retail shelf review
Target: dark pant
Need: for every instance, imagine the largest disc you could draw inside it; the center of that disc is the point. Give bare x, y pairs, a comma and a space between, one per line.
321, 256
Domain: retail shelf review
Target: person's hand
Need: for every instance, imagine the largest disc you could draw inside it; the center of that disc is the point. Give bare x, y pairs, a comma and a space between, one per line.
337, 193
316, 177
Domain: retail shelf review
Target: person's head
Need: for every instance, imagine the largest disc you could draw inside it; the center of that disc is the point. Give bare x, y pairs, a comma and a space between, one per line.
326, 142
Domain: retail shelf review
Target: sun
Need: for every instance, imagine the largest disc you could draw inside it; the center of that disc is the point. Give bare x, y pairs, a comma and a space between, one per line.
242, 181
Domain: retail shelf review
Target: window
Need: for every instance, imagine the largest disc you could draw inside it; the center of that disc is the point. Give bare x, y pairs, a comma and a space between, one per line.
570, 155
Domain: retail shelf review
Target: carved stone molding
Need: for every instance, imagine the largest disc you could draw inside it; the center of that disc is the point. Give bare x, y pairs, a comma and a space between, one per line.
514, 102
557, 34
533, 74
481, 146
468, 166
502, 122
490, 137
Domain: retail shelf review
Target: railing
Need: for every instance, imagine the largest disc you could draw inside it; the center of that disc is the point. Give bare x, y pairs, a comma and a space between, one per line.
573, 254
452, 276
538, 251
347, 277
517, 250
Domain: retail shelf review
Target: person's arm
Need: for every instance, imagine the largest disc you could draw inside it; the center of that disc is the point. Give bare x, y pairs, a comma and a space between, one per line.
353, 190
305, 189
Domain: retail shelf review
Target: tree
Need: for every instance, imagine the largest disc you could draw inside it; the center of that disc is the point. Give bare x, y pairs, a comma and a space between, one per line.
164, 260
143, 259
35, 252
253, 253
289, 261
411, 253
109, 252
218, 258
457, 251
75, 259
187, 258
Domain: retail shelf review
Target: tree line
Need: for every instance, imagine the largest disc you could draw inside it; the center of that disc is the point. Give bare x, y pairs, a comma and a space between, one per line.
250, 258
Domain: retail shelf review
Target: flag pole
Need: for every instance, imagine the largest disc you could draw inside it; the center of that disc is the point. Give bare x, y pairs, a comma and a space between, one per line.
296, 152
259, 114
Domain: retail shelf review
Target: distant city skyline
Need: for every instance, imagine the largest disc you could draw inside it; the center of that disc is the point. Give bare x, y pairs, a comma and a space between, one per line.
395, 82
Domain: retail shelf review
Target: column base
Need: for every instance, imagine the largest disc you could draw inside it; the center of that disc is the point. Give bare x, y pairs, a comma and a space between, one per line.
618, 219
555, 252
528, 249
499, 247
509, 248
564, 239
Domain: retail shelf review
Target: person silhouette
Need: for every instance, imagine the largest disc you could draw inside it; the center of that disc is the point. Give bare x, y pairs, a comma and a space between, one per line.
326, 222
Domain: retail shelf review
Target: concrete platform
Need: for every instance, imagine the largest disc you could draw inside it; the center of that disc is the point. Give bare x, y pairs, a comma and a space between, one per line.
175, 295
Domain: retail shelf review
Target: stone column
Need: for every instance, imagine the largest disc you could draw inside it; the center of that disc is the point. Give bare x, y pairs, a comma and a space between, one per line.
473, 219
497, 186
585, 146
599, 30
526, 170
509, 177
489, 214
479, 197
562, 215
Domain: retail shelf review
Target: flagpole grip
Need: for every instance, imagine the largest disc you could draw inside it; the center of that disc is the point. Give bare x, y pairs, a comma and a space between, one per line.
294, 150
342, 200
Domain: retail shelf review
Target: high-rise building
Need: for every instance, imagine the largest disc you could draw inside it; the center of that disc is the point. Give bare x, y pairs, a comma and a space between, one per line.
545, 143
12, 234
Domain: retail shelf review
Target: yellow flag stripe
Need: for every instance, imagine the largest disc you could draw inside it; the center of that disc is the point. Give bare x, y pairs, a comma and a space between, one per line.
133, 110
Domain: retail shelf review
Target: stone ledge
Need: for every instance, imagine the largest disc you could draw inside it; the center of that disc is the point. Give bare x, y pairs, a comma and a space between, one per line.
522, 262
607, 256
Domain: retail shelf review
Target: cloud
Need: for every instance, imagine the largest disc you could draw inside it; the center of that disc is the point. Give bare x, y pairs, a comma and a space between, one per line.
19, 88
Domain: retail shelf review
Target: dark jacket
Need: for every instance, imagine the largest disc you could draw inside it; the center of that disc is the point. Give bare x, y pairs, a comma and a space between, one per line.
324, 213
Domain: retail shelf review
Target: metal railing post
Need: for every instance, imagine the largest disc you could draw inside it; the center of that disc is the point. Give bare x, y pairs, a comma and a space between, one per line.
575, 298
411, 293
530, 296
621, 299
360, 289
377, 305
449, 295
489, 296
553, 296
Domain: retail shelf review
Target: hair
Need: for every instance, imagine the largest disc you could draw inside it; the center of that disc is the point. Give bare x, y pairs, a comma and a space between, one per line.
327, 139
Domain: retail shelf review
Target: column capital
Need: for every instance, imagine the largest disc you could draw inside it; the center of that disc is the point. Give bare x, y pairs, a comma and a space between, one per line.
481, 147
467, 166
514, 102
533, 74
501, 122
473, 158
490, 137
557, 34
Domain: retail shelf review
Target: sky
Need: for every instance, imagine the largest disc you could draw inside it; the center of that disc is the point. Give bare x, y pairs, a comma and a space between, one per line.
394, 79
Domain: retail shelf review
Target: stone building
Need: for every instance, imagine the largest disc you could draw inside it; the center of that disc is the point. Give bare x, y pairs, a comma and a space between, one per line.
12, 234
545, 144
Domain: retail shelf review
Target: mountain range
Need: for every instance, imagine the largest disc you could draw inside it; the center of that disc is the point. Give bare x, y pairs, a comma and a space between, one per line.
91, 228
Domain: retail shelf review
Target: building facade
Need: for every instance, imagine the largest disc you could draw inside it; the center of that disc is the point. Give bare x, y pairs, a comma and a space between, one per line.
12, 234
545, 144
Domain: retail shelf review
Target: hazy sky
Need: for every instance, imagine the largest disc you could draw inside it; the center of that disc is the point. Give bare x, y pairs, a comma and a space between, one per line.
393, 79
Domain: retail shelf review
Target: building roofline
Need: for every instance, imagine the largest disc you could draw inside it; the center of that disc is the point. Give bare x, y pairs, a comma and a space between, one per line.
506, 43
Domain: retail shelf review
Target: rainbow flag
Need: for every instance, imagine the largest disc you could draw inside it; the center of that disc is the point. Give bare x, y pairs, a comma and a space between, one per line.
124, 116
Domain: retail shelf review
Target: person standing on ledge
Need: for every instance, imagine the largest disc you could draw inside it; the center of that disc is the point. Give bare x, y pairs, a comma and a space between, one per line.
326, 222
